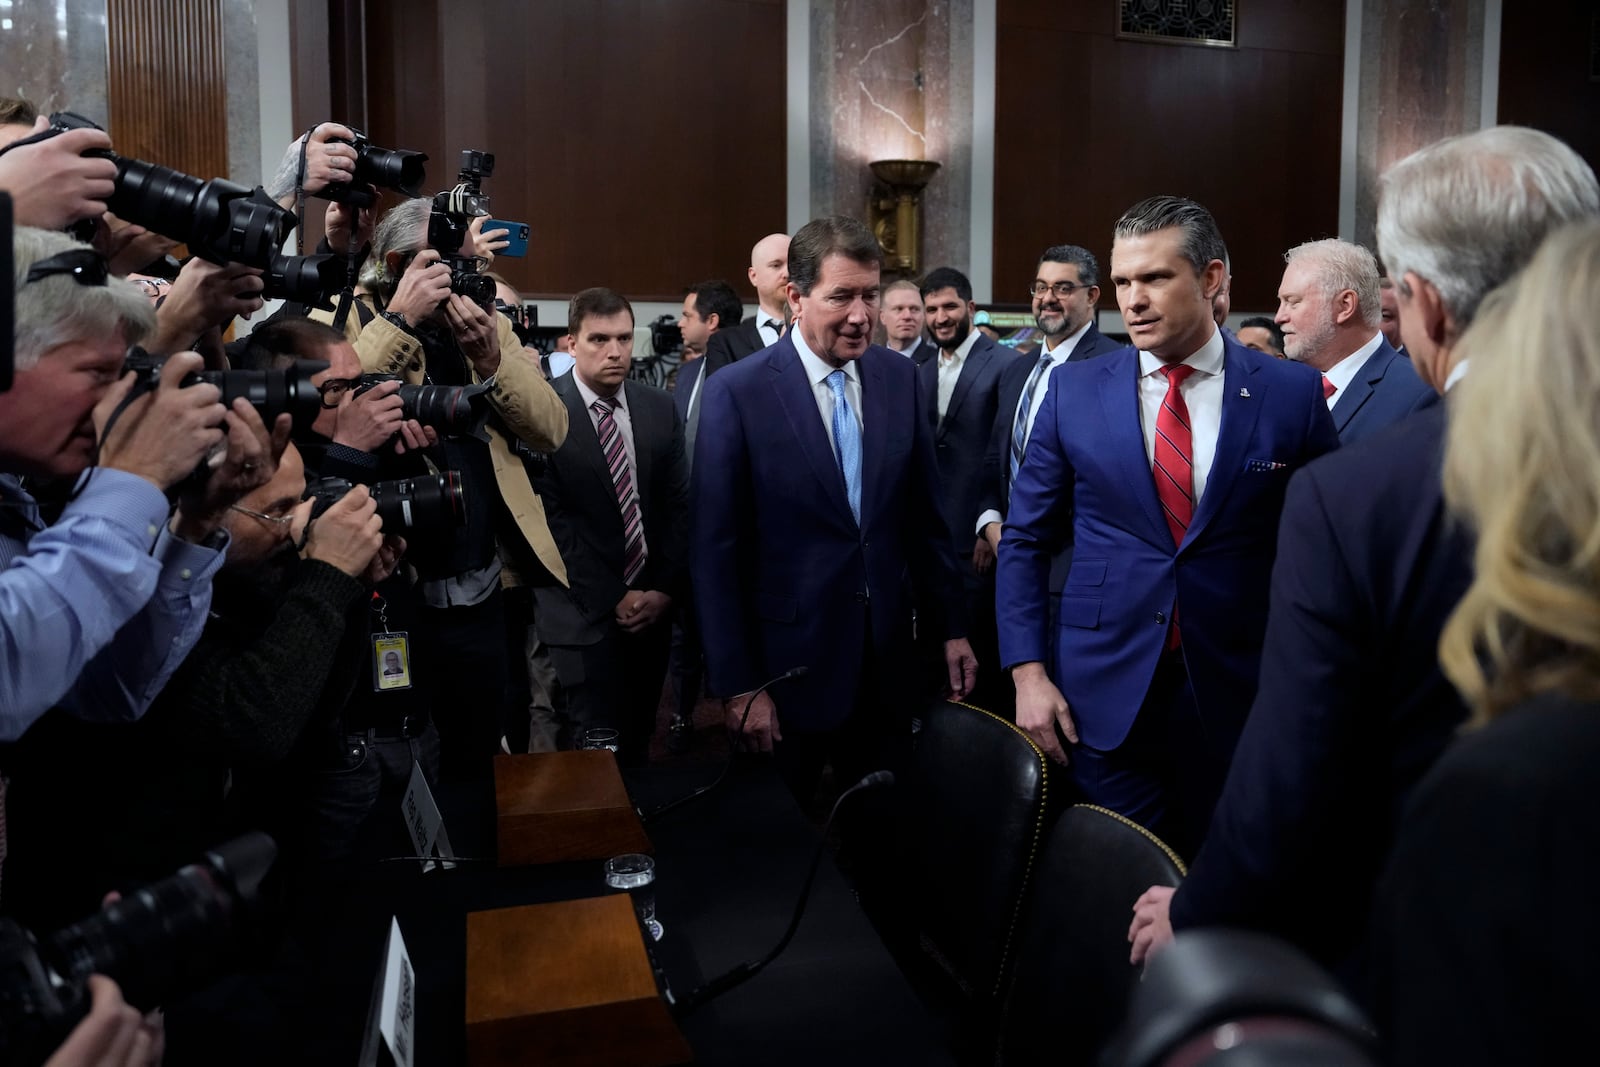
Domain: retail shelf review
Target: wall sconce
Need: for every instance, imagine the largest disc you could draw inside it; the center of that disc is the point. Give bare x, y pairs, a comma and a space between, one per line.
894, 210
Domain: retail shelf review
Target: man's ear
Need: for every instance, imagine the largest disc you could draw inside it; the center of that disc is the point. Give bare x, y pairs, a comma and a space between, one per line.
714, 321
1429, 308
1212, 279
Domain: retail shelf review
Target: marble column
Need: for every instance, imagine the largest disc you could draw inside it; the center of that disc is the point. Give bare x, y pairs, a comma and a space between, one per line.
1422, 77
893, 80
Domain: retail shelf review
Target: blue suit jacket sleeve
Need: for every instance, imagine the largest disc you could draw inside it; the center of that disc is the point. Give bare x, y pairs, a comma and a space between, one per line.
1038, 524
723, 523
1300, 736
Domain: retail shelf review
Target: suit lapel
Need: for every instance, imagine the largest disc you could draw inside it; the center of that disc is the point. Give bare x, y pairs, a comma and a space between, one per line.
644, 432
1240, 410
793, 391
1080, 351
874, 419
1119, 399
1361, 388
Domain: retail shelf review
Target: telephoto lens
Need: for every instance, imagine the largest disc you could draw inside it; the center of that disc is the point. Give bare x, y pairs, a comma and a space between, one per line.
427, 504
164, 941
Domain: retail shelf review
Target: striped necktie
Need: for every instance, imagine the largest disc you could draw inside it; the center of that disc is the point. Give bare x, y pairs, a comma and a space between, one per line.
1019, 426
616, 454
1174, 467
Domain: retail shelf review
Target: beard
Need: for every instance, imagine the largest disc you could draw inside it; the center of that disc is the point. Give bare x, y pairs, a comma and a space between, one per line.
962, 329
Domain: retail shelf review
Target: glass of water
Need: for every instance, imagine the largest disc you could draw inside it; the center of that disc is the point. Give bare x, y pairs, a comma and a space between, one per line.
636, 873
601, 737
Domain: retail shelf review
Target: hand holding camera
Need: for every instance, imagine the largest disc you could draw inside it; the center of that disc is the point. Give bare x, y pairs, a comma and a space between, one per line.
423, 286
476, 333
346, 226
348, 534
53, 183
205, 295
162, 436
113, 1034
368, 418
249, 462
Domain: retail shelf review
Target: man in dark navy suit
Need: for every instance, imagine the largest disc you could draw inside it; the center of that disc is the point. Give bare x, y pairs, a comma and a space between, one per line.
1065, 292
1164, 466
960, 388
902, 318
815, 499
1330, 311
1352, 708
769, 274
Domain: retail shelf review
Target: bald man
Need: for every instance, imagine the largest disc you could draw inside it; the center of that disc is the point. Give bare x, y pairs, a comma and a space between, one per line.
769, 276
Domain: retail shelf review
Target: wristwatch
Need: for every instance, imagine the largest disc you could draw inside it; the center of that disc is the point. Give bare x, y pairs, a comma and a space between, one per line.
398, 321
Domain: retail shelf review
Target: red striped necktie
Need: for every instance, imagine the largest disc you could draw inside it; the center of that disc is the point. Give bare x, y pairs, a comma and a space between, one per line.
616, 454
1174, 465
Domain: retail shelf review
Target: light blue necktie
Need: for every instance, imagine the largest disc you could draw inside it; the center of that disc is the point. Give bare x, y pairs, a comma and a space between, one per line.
847, 440
1019, 428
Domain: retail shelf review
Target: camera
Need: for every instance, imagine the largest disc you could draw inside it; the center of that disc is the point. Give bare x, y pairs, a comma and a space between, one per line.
382, 168
164, 941
453, 212
459, 410
666, 337
431, 504
218, 220
270, 392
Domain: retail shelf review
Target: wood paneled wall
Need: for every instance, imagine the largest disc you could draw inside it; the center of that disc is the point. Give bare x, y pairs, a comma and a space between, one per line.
1545, 76
1086, 125
642, 141
166, 87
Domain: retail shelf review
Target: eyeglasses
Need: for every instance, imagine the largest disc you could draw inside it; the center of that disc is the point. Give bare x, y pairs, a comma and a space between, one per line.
279, 521
84, 266
1061, 289
334, 388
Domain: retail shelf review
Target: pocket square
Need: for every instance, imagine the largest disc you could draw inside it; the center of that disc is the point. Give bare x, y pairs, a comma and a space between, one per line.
1264, 465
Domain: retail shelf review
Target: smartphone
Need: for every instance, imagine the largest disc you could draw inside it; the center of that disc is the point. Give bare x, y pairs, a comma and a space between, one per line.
518, 236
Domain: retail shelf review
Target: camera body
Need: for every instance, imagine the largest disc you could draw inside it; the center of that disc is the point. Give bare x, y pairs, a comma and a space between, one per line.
453, 212
456, 410
430, 504
270, 392
377, 168
218, 220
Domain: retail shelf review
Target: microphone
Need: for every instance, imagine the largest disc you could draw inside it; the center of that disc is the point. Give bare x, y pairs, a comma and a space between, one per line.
749, 969
656, 813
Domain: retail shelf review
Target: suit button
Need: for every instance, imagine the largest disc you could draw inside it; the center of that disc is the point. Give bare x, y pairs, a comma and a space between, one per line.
1161, 617
861, 598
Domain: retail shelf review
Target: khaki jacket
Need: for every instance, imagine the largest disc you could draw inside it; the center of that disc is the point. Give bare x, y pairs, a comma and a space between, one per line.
521, 397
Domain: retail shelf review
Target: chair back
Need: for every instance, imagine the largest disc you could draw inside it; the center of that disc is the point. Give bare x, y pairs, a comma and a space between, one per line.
1072, 978
973, 820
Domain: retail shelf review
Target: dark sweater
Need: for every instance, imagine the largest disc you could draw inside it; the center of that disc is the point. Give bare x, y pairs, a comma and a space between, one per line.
96, 807
1486, 931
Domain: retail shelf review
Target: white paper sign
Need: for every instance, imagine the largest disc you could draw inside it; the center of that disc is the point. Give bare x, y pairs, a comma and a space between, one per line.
397, 1013
424, 822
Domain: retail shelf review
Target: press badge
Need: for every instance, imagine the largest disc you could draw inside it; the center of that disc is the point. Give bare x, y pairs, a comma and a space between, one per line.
391, 652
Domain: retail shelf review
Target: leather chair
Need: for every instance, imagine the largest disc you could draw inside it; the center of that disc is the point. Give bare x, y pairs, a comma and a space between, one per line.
1072, 978
972, 819
1280, 1009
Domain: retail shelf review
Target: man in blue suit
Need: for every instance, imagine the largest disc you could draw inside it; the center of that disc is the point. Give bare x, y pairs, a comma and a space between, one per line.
1165, 466
815, 499
1330, 308
1352, 709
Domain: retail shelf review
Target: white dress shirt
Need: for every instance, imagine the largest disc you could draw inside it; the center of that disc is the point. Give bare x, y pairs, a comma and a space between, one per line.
1058, 355
909, 350
1458, 372
817, 371
1202, 394
950, 364
770, 329
1342, 373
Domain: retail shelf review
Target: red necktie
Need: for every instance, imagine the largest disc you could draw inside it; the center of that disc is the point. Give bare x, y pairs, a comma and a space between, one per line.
1174, 467
1328, 388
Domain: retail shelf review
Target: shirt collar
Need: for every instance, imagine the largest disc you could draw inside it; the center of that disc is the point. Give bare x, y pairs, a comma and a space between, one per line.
817, 369
1060, 352
911, 346
1208, 360
1342, 373
590, 396
762, 318
1458, 372
964, 349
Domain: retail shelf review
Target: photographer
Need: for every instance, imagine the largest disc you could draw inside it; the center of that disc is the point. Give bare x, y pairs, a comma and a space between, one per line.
70, 589
421, 330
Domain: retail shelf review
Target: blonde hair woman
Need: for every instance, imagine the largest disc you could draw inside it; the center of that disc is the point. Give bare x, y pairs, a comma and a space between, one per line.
1488, 931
